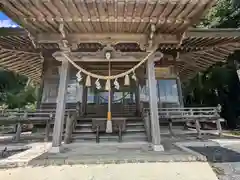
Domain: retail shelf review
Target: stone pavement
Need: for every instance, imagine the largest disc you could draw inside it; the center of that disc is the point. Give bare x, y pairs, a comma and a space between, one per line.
230, 167
222, 154
22, 158
113, 153
109, 160
142, 171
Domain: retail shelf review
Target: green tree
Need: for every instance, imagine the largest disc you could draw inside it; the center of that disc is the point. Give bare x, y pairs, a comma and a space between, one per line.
15, 90
219, 83
225, 14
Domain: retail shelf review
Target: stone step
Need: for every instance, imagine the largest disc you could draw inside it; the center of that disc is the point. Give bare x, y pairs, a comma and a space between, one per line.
135, 123
114, 115
128, 119
126, 136
115, 139
136, 129
89, 124
83, 130
89, 130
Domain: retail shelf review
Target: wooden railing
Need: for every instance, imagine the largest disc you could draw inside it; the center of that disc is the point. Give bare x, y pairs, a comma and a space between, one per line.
196, 115
45, 117
188, 113
146, 120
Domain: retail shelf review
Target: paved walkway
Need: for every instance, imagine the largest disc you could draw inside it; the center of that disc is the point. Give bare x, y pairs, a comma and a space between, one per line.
142, 171
172, 164
230, 169
224, 156
24, 157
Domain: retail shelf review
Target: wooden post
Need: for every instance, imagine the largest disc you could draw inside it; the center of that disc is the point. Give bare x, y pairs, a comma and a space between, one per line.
84, 100
40, 92
78, 109
148, 126
180, 94
47, 128
60, 110
198, 128
219, 127
69, 128
155, 125
18, 132
137, 100
170, 127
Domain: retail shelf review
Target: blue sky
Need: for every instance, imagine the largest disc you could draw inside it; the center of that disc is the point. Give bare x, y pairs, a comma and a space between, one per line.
3, 16
6, 21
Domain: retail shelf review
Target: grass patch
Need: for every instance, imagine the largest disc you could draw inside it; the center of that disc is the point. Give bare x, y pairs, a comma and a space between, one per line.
236, 133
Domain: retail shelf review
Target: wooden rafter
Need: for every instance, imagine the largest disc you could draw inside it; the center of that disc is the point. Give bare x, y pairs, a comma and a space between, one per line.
106, 16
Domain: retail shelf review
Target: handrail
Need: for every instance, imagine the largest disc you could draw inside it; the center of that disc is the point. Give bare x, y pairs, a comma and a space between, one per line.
146, 120
173, 113
40, 116
197, 115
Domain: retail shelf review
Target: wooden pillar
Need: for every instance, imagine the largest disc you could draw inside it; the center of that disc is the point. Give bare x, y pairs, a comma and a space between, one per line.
18, 132
41, 85
153, 104
69, 129
219, 127
84, 99
198, 128
180, 94
39, 93
137, 99
60, 110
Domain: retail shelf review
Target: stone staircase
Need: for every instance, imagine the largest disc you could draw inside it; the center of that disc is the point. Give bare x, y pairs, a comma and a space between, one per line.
135, 131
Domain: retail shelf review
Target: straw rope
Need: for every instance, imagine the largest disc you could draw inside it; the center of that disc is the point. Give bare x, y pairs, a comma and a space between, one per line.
108, 77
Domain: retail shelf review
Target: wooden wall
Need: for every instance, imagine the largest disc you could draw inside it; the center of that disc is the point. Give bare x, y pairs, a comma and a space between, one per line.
51, 81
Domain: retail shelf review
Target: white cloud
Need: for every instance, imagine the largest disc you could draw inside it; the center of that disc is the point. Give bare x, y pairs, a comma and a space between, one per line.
7, 23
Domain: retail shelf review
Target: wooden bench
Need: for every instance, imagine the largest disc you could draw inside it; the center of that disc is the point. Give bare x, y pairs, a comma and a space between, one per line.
39, 117
20, 118
118, 125
98, 125
176, 115
196, 115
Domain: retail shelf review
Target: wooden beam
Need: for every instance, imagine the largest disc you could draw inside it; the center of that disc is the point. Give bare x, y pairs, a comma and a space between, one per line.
99, 56
19, 51
106, 19
31, 65
92, 37
197, 32
106, 38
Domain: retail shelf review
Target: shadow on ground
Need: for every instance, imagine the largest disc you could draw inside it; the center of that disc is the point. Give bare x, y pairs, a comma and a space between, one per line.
217, 154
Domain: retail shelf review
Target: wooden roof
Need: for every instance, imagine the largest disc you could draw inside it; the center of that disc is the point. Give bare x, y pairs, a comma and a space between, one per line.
200, 49
91, 16
127, 25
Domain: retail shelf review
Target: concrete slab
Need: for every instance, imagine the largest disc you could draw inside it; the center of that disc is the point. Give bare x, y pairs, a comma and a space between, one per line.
20, 159
142, 171
227, 142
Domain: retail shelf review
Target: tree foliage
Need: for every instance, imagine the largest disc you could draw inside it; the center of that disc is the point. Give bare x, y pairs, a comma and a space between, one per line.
225, 14
15, 92
219, 84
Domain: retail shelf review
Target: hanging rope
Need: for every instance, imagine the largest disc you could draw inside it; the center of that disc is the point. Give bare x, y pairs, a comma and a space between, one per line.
132, 70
